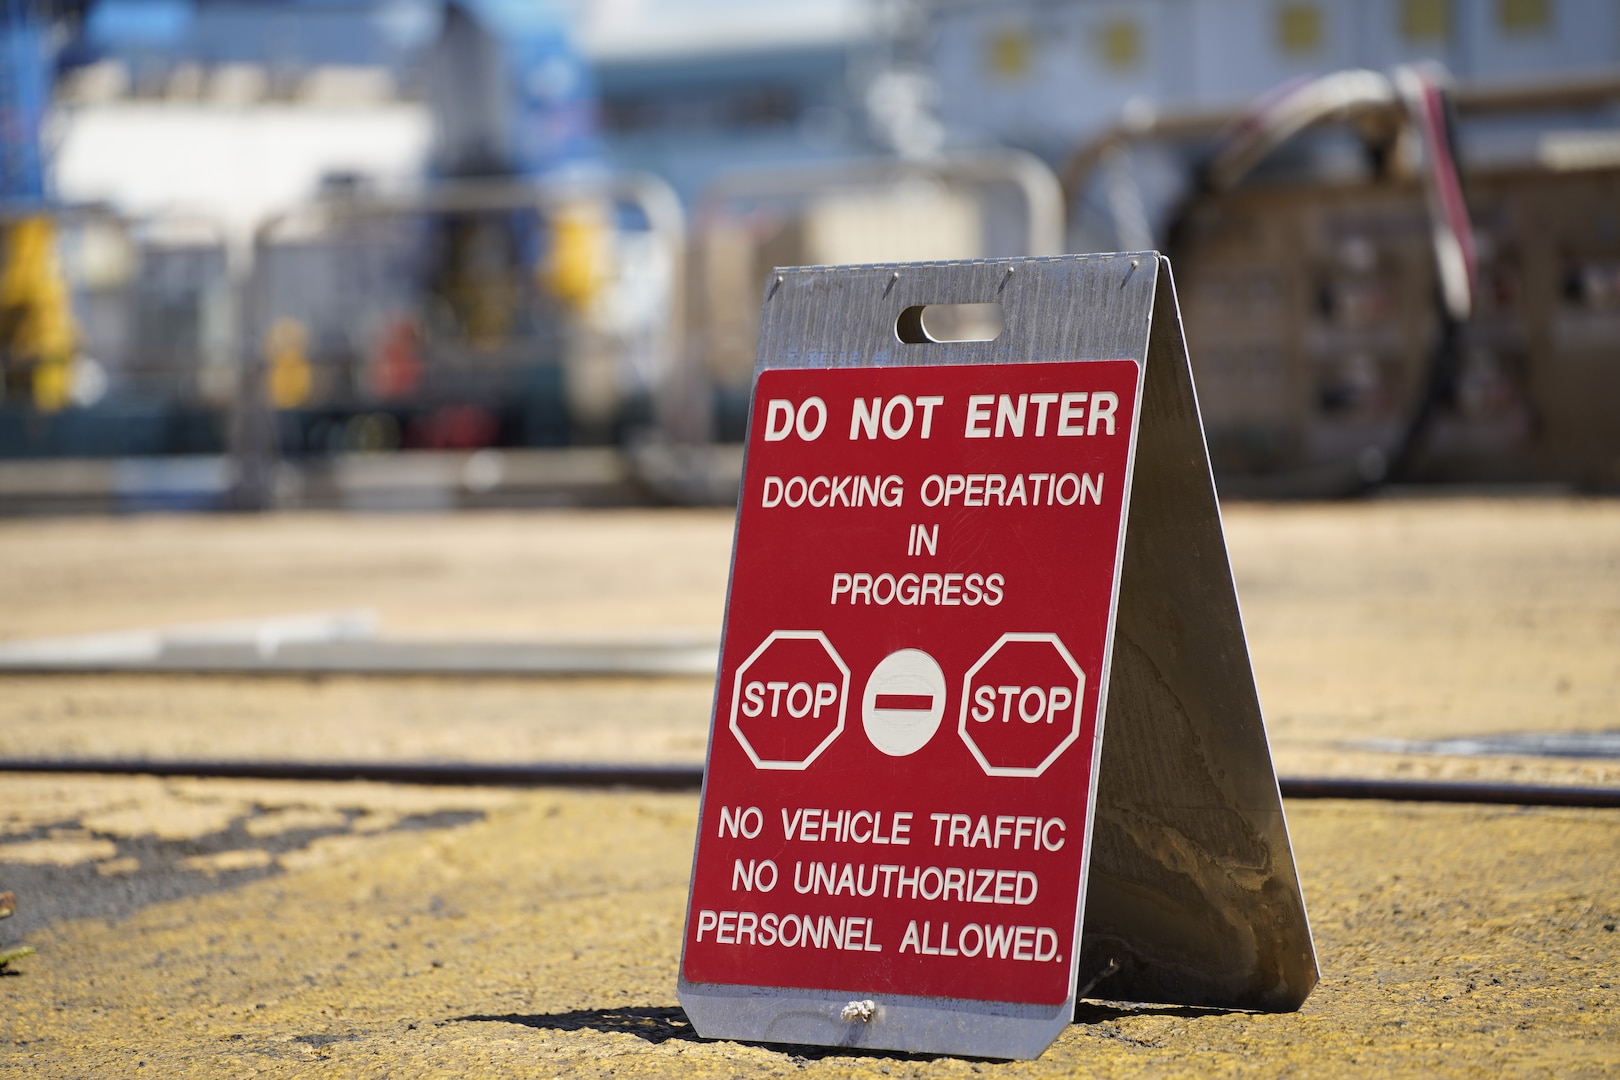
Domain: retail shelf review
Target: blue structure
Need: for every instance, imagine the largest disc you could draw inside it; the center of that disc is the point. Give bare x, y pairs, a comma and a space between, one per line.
24, 92
511, 89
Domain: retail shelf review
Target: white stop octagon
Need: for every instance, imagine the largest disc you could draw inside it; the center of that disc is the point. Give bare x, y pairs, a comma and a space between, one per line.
1043, 664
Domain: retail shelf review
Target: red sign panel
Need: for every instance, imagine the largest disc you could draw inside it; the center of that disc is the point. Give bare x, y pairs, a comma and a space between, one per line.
921, 601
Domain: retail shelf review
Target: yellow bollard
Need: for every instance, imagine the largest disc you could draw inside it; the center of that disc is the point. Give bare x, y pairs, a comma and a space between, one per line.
289, 378
577, 264
36, 319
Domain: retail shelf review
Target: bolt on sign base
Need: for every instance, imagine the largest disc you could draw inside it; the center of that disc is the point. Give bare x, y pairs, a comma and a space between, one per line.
977, 534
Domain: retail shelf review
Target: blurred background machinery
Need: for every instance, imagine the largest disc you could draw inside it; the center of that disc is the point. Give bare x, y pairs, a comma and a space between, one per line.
1332, 354
258, 247
297, 230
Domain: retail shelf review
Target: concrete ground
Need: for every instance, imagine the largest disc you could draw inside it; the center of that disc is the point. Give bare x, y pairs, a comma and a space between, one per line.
237, 928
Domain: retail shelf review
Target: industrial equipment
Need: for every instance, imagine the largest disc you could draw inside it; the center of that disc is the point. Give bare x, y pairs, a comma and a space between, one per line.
526, 308
1370, 297
1384, 277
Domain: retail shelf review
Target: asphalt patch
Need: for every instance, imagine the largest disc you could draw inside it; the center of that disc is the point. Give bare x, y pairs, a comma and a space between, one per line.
48, 894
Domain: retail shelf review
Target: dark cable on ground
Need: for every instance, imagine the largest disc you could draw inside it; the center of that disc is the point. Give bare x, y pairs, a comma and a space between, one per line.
460, 774
690, 778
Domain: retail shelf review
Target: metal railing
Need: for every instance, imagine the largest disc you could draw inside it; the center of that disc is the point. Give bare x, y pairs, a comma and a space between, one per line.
1035, 186
138, 238
253, 428
1039, 187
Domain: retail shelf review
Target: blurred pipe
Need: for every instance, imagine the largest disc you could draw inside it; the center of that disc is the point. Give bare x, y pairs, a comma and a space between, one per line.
1425, 91
144, 653
1086, 158
1280, 114
1537, 97
1132, 230
1468, 101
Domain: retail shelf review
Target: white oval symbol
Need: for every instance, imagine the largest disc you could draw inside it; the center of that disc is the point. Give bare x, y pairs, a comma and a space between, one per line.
903, 703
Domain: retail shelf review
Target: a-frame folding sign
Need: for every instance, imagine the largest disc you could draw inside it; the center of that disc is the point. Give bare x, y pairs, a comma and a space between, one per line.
986, 732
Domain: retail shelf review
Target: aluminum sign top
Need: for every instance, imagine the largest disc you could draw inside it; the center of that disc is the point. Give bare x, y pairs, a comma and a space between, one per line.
1064, 308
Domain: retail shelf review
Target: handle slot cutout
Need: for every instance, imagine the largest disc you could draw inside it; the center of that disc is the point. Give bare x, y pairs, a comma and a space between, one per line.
939, 323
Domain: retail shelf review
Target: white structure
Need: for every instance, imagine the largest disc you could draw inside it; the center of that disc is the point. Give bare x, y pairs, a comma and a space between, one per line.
233, 163
1049, 72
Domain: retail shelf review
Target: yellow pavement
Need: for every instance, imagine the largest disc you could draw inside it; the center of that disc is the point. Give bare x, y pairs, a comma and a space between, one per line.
542, 941
231, 928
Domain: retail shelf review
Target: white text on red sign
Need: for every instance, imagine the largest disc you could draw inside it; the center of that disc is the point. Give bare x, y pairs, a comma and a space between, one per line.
1066, 414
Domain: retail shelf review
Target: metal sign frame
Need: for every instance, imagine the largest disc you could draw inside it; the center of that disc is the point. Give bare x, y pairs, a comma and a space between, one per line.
1191, 895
